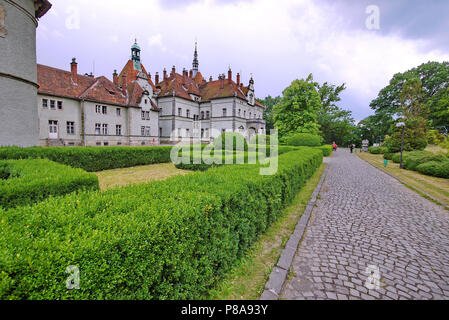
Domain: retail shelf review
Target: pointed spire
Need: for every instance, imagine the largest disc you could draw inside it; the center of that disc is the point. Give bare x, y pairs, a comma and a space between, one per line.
195, 61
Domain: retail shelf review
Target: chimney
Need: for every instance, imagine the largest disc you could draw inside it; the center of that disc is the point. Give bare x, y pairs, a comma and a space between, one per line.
157, 78
173, 71
238, 79
222, 77
74, 70
165, 74
124, 83
115, 77
210, 79
229, 75
191, 74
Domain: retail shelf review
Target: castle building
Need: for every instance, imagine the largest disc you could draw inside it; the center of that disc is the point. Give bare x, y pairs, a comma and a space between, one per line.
81, 110
18, 73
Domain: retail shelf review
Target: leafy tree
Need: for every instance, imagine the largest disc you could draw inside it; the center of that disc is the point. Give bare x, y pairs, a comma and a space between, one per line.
297, 112
434, 78
336, 124
414, 136
269, 103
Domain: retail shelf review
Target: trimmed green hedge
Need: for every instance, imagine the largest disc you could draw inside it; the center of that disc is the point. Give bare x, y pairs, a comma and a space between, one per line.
378, 150
233, 137
327, 150
304, 140
33, 180
435, 168
92, 159
170, 239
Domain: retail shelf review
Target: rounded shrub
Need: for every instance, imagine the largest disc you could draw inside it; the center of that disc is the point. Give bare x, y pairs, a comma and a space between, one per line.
5, 172
304, 140
435, 168
414, 159
231, 141
378, 150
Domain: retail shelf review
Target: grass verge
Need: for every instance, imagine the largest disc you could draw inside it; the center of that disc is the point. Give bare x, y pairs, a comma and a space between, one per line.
110, 179
436, 187
248, 278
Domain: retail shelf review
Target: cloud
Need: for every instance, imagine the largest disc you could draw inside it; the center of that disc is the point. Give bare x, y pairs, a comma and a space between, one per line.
156, 41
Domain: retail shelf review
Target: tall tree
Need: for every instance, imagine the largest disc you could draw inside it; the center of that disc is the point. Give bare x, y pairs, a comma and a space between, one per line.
434, 77
336, 124
297, 112
268, 114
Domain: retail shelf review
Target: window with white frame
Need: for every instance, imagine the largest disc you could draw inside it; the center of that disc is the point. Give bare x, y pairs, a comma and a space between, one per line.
225, 111
142, 131
188, 113
59, 105
52, 104
98, 129
118, 129
119, 112
105, 129
44, 103
70, 127
180, 112
97, 109
147, 131
105, 110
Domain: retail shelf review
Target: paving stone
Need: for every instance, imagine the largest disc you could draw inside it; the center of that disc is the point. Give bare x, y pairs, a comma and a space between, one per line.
366, 218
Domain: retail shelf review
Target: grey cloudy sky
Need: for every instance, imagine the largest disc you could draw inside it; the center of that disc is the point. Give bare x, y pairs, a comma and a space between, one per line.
277, 41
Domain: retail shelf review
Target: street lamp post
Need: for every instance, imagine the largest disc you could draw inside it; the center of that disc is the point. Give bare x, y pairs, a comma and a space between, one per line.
402, 125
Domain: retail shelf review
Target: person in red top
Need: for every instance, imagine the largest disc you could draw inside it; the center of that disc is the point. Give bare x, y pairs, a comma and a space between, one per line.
334, 145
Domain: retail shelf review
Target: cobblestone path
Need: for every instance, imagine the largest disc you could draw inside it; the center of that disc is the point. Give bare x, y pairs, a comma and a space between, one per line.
367, 219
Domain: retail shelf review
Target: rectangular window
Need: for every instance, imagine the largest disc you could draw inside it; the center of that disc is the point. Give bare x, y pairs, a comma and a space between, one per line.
119, 111
118, 130
240, 112
207, 133
98, 109
59, 105
207, 114
106, 144
119, 143
147, 131
105, 110
105, 129
98, 143
143, 115
180, 112
188, 113
188, 133
142, 131
52, 104
44, 103
97, 129
225, 111
147, 115
70, 127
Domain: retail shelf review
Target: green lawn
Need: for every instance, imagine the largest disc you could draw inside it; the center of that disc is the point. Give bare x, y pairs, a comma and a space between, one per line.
247, 280
436, 187
122, 177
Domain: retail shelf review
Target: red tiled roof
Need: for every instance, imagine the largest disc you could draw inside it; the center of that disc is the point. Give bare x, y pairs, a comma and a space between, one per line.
131, 74
213, 90
58, 82
182, 86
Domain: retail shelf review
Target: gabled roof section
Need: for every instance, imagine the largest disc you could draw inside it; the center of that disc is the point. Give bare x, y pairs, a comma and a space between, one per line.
131, 74
214, 90
180, 86
58, 82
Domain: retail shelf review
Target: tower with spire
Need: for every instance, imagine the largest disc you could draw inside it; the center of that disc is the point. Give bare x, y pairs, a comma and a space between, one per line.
195, 61
135, 56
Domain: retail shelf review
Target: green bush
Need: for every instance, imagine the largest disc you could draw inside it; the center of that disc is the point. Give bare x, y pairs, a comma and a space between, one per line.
34, 180
304, 140
92, 159
327, 150
435, 168
378, 150
5, 172
231, 141
169, 239
414, 159
388, 156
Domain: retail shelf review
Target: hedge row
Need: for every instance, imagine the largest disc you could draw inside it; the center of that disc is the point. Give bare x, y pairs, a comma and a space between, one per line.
196, 162
304, 139
92, 159
33, 180
378, 150
170, 239
425, 162
327, 150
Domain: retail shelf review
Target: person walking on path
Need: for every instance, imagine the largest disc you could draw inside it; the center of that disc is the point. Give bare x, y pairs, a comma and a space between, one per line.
334, 146
352, 148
